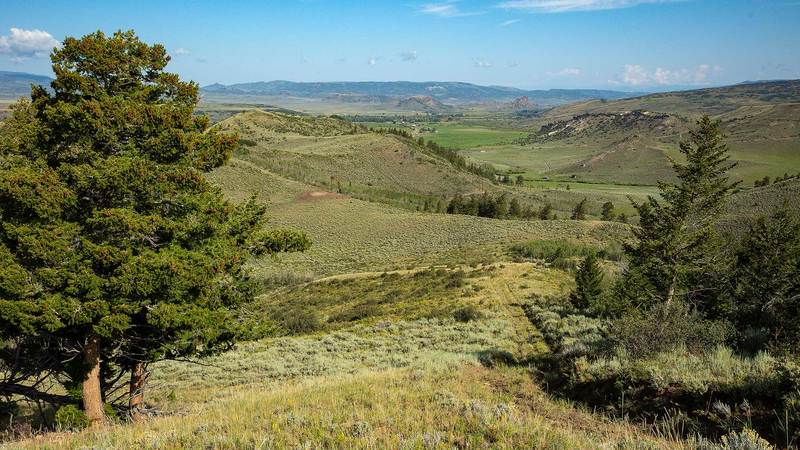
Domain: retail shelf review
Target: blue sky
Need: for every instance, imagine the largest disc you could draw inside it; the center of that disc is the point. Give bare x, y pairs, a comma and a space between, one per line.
618, 44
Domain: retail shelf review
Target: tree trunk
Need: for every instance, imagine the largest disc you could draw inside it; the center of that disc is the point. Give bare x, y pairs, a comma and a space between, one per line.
671, 291
92, 394
136, 402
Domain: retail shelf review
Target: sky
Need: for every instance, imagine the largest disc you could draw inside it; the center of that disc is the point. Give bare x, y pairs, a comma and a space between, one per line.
631, 45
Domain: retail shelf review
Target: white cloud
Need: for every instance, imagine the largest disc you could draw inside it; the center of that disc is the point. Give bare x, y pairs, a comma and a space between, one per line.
27, 43
180, 51
410, 55
556, 6
372, 60
636, 75
483, 64
509, 22
566, 72
445, 9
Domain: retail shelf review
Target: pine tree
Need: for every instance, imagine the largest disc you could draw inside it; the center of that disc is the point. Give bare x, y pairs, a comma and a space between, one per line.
588, 284
607, 211
676, 243
579, 212
115, 250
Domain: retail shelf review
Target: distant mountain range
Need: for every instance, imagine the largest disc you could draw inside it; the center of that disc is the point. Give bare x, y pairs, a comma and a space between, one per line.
445, 92
17, 84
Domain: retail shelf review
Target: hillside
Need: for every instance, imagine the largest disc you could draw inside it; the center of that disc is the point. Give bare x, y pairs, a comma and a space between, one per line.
632, 140
342, 185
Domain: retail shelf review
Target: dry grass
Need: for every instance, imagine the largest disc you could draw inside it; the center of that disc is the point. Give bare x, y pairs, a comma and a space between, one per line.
452, 405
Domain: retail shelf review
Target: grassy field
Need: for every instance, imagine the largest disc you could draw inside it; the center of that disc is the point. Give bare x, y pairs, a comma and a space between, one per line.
457, 135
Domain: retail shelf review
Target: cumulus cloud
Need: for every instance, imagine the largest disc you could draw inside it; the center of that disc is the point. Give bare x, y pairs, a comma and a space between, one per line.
509, 22
445, 9
556, 6
180, 51
410, 55
566, 72
27, 43
636, 75
372, 60
482, 63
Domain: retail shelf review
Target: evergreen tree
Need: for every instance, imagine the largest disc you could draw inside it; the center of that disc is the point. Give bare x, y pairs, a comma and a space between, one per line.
676, 244
607, 211
579, 212
588, 284
115, 251
501, 207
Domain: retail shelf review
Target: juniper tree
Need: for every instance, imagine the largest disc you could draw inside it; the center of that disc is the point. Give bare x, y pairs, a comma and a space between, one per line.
676, 244
115, 250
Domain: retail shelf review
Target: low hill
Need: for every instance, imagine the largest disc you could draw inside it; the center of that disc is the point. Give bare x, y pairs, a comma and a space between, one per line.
336, 155
424, 103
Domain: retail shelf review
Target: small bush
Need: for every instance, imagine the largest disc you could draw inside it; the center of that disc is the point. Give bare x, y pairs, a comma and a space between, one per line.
71, 418
300, 321
467, 314
744, 440
563, 254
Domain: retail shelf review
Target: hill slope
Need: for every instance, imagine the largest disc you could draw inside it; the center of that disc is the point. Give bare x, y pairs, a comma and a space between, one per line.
632, 140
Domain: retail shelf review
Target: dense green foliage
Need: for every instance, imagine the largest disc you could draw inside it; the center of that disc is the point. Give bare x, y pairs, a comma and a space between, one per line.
115, 251
588, 283
764, 299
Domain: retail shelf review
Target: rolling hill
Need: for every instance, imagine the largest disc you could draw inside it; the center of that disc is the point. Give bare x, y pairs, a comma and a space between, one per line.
357, 192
